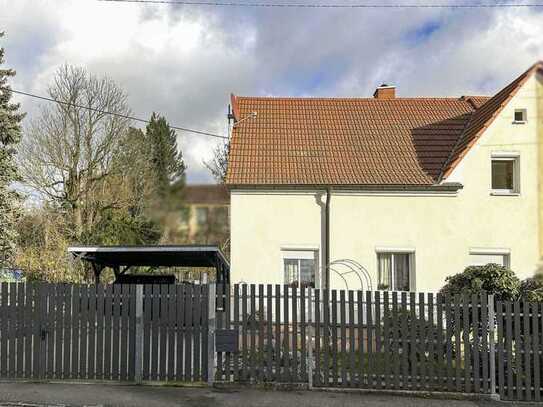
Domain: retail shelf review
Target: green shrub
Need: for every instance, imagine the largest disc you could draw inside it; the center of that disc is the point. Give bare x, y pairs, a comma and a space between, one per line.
531, 289
492, 278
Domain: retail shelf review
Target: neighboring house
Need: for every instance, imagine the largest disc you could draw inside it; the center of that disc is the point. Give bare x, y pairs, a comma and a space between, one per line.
409, 190
205, 217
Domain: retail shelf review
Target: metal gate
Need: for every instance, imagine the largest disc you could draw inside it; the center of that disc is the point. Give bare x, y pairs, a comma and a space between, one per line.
103, 332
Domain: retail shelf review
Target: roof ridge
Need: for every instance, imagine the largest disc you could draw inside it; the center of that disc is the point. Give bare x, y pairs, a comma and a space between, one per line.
310, 98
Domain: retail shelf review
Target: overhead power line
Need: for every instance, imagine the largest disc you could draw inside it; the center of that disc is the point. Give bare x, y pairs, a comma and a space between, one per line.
137, 119
329, 5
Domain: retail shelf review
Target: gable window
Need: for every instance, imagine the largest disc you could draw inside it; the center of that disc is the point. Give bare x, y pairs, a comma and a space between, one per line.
482, 257
395, 270
299, 267
520, 116
505, 174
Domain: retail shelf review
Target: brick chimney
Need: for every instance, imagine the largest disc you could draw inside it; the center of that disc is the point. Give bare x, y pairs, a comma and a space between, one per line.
385, 92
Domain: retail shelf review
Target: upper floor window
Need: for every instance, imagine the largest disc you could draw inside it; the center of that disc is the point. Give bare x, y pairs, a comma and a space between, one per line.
505, 174
520, 116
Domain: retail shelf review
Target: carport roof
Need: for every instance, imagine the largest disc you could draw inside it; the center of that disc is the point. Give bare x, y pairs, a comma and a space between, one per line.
157, 256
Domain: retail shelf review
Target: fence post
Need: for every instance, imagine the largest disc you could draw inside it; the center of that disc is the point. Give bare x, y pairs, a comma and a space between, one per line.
138, 356
310, 337
212, 297
492, 348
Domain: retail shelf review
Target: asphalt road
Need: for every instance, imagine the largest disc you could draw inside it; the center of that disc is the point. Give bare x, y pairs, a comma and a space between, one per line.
40, 395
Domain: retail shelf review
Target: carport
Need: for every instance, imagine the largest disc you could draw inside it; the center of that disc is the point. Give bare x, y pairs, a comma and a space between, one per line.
121, 259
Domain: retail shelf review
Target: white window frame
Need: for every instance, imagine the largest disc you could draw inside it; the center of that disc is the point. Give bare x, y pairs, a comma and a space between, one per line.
301, 253
412, 264
524, 115
506, 156
479, 251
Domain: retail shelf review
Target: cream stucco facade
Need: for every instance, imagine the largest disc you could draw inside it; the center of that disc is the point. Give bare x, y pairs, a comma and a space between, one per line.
440, 229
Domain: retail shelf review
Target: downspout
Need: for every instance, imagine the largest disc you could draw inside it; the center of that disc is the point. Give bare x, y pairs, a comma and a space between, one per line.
327, 238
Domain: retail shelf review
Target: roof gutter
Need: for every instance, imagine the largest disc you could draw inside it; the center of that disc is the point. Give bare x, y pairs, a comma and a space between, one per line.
445, 187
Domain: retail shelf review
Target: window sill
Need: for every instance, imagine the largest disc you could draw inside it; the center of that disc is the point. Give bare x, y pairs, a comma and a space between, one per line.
519, 122
504, 193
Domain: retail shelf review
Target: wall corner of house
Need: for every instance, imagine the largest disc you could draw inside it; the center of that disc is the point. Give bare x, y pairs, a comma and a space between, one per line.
539, 129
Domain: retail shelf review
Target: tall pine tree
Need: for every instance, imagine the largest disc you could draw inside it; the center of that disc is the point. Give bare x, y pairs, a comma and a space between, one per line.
166, 159
10, 134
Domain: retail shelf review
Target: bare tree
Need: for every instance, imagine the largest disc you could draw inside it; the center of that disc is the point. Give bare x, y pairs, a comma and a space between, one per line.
218, 164
68, 152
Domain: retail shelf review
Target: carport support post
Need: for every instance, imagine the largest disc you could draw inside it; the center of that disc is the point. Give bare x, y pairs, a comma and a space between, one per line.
212, 297
138, 357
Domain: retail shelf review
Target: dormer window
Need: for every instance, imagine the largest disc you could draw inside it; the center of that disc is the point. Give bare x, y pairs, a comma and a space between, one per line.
505, 174
520, 116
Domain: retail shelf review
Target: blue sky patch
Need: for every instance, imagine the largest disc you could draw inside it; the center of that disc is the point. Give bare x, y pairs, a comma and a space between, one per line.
423, 32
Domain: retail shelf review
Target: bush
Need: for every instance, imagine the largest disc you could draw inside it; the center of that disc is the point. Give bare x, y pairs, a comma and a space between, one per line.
492, 278
531, 289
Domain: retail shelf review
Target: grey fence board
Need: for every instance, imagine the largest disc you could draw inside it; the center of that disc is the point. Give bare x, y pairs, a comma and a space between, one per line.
29, 318
188, 332
536, 310
396, 341
407, 339
369, 336
500, 348
378, 338
252, 333
352, 340
361, 352
180, 332
100, 290
432, 354
318, 336
342, 339
244, 350
294, 336
269, 333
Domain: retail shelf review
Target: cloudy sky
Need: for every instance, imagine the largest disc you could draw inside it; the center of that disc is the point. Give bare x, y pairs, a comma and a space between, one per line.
184, 61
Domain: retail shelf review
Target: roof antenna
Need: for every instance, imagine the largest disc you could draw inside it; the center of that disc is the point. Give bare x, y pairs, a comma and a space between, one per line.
251, 115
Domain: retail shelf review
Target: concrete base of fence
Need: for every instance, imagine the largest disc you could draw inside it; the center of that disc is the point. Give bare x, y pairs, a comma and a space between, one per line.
405, 393
262, 386
415, 393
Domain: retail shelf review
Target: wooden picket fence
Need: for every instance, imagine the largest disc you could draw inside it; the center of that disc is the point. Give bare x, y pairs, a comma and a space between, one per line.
87, 332
327, 338
382, 340
519, 350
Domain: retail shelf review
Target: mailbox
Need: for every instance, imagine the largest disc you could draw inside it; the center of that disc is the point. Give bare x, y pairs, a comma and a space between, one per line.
226, 340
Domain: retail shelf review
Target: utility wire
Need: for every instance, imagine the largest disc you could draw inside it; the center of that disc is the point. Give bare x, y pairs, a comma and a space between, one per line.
61, 102
327, 5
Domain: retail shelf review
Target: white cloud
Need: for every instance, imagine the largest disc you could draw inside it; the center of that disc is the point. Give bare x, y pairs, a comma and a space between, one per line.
184, 61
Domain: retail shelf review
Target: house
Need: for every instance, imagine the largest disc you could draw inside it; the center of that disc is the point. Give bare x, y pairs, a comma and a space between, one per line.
386, 192
205, 214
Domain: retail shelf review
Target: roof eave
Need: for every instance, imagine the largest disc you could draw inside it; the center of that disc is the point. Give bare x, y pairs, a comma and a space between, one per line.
445, 187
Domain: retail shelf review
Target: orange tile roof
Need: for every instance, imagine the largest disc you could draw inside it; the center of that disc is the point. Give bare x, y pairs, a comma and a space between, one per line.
358, 141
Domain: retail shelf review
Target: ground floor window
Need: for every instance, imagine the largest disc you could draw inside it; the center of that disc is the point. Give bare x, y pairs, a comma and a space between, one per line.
300, 267
395, 270
481, 257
